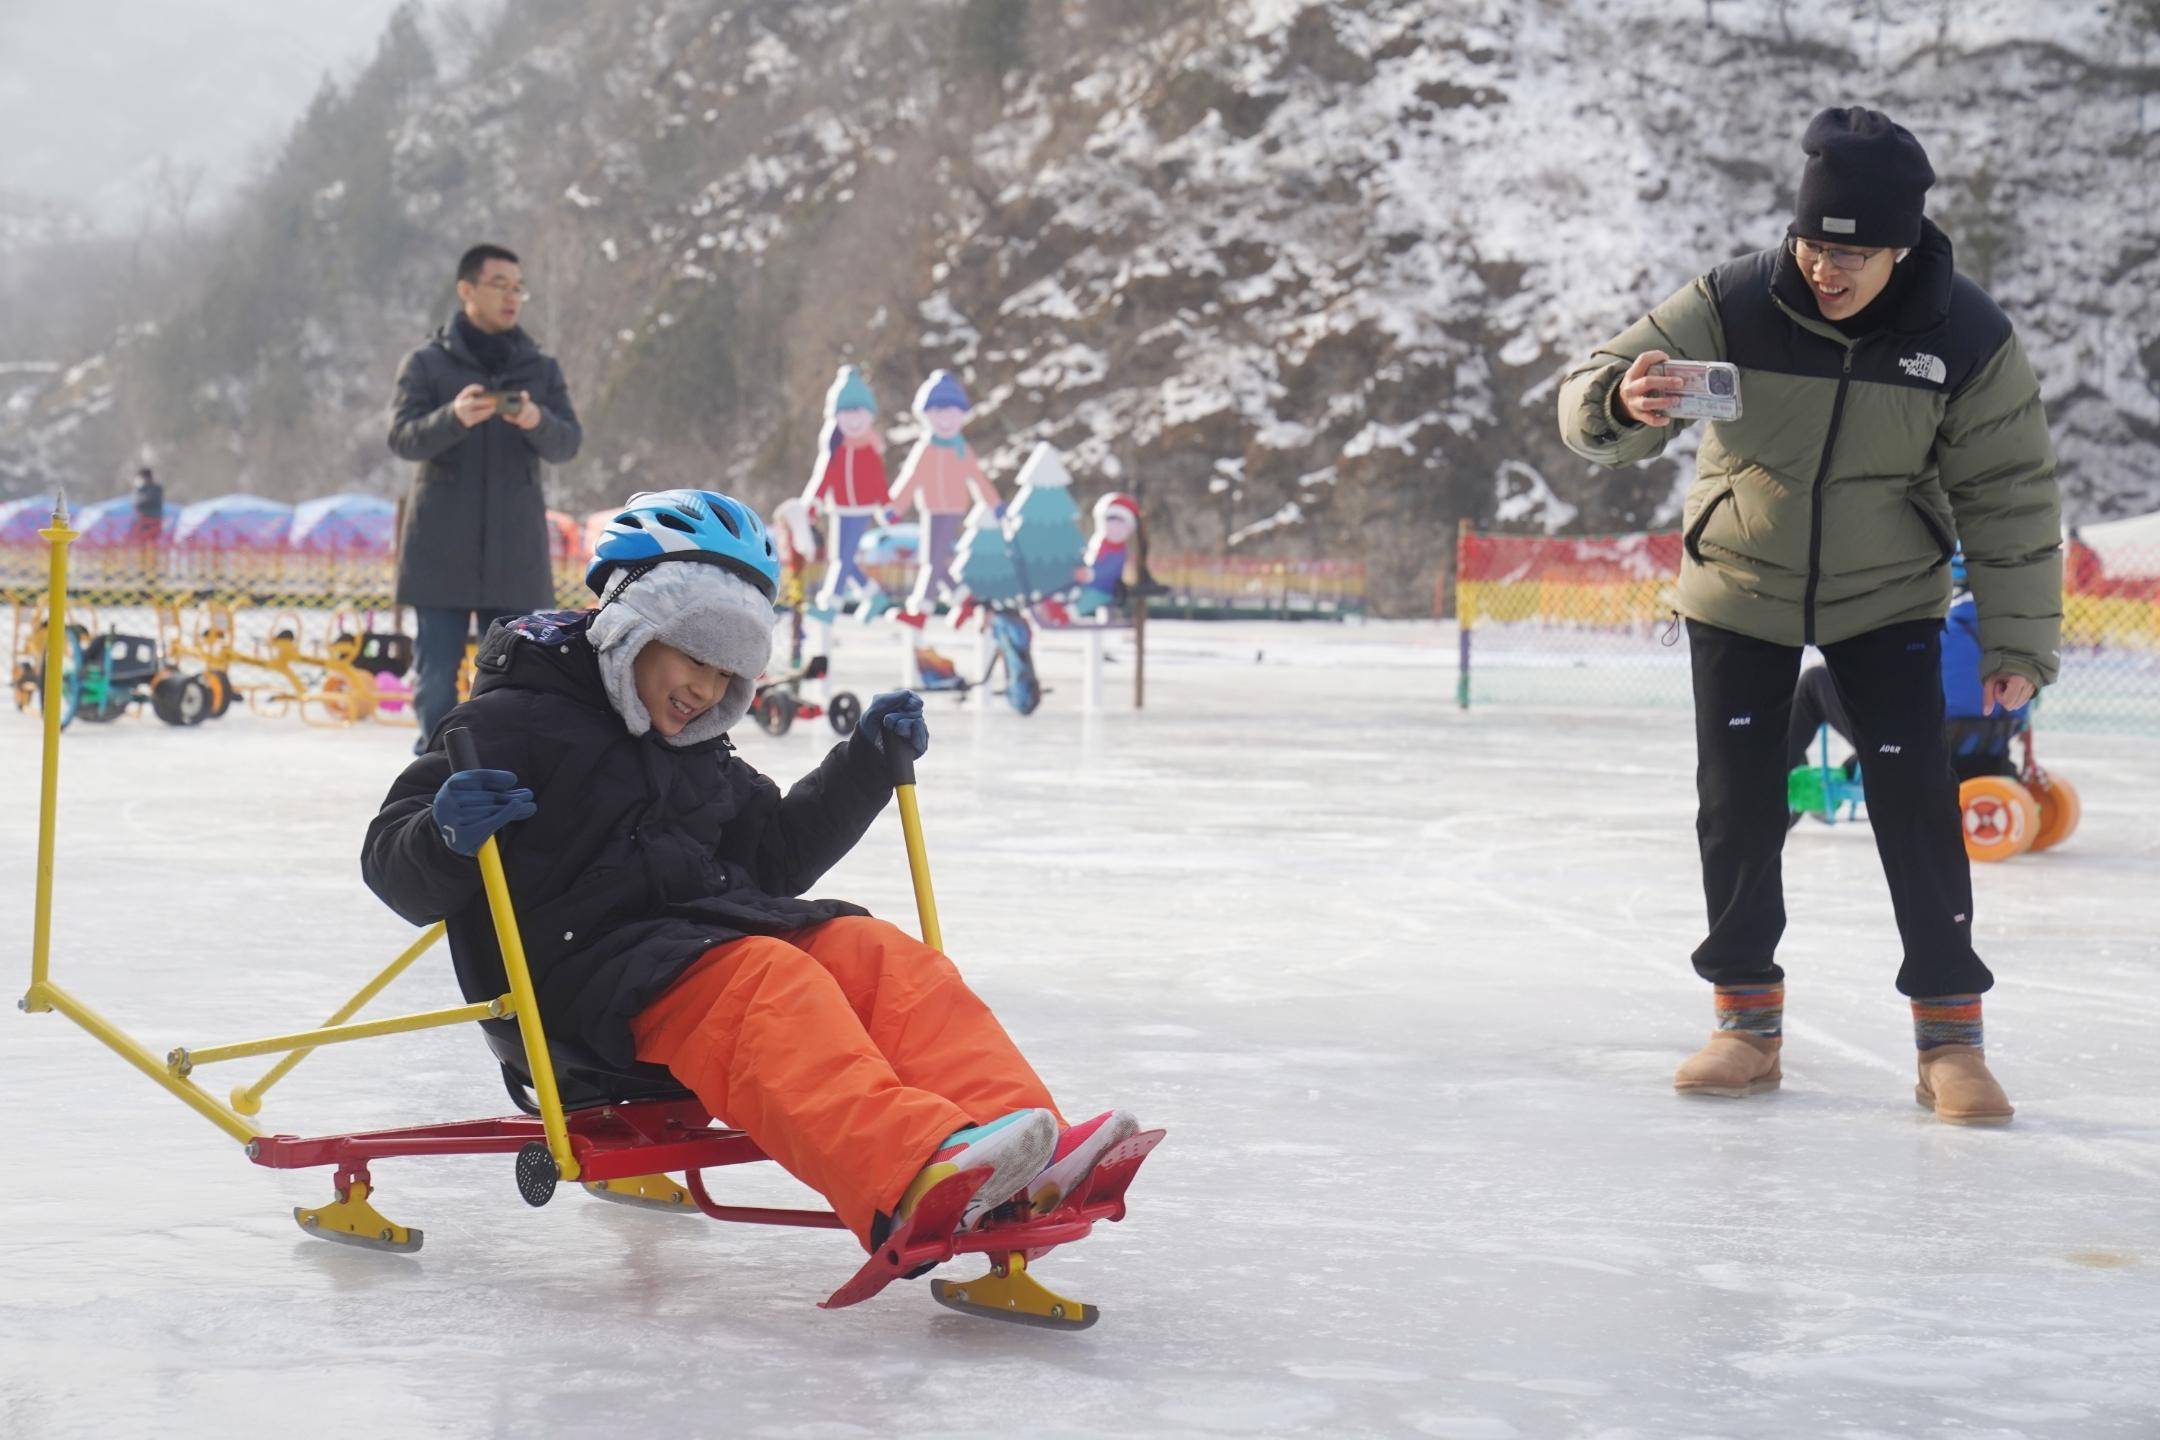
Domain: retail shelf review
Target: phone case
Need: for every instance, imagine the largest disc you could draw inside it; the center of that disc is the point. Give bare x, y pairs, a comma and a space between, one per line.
1711, 389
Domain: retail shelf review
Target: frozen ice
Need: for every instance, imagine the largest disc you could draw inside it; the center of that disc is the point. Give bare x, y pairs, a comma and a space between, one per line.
1405, 984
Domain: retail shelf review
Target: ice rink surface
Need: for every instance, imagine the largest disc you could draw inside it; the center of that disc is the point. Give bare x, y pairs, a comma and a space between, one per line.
1406, 985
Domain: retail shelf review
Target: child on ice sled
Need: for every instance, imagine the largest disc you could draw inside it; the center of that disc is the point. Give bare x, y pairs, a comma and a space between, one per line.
659, 879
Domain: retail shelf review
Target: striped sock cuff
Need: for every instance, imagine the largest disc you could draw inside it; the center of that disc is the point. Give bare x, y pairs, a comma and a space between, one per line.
1757, 1009
1945, 1020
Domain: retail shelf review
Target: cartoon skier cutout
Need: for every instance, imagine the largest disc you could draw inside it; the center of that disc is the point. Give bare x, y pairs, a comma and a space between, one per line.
942, 480
849, 486
1102, 567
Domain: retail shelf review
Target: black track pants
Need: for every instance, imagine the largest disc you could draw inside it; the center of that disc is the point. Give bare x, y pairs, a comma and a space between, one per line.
1815, 704
1891, 683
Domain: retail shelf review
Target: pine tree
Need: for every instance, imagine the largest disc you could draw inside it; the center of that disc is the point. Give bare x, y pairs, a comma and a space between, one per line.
983, 560
1047, 533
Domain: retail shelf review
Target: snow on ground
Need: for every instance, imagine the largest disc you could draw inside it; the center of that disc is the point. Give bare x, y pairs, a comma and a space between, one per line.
1405, 984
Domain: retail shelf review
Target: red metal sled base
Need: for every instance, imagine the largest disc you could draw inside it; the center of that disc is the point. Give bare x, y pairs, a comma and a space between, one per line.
623, 1141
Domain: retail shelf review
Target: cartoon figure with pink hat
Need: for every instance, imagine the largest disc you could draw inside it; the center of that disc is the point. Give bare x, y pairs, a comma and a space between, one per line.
848, 487
942, 480
1102, 567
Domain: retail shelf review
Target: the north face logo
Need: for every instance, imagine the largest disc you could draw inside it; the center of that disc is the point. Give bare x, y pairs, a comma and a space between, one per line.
1924, 366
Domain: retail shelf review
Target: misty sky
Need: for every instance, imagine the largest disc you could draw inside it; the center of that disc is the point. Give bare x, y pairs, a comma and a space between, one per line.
91, 94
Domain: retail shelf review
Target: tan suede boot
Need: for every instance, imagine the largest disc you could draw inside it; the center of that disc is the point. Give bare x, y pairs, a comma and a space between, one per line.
1956, 1085
1733, 1064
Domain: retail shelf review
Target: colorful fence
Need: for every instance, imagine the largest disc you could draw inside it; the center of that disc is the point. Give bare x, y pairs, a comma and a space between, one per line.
1216, 587
305, 625
1588, 621
1223, 586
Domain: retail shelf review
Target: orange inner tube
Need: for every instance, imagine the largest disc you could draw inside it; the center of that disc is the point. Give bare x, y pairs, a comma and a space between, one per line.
2000, 817
2060, 810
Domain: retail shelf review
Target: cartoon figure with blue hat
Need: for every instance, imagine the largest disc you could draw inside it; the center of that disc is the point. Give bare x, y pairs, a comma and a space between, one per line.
942, 480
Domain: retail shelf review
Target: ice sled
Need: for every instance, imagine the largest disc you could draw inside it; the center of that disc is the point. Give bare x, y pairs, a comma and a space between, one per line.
622, 1136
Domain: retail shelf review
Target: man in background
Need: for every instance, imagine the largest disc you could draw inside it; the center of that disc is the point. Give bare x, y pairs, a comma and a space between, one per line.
149, 508
479, 406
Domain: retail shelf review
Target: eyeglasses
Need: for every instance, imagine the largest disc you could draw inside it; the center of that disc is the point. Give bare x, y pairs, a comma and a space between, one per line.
506, 287
1808, 254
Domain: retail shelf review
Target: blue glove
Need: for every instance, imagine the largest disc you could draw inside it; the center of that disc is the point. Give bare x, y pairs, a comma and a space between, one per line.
474, 804
897, 713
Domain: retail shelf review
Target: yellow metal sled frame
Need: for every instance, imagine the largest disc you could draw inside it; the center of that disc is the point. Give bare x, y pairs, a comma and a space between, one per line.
622, 1142
175, 1071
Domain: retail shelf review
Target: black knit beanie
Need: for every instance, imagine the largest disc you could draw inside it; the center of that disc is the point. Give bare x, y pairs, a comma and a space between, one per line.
1865, 181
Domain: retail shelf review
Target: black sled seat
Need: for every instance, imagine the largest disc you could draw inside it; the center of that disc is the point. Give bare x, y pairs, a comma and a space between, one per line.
584, 1080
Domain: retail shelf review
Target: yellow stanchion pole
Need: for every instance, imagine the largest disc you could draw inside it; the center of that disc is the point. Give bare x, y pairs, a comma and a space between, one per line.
43, 995
59, 536
464, 755
903, 772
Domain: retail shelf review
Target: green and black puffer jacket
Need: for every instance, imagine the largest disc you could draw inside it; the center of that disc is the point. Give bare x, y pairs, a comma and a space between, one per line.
1831, 506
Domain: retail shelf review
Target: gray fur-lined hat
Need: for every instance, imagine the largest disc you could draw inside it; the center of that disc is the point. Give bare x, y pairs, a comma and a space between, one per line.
708, 612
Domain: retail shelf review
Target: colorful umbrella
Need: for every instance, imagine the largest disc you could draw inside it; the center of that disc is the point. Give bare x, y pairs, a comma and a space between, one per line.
20, 520
246, 522
347, 524
111, 523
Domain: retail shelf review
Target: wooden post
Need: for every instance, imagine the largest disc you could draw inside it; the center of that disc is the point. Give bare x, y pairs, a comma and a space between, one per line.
1462, 619
1135, 586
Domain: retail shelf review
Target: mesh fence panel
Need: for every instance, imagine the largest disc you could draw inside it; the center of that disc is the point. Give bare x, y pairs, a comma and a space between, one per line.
1578, 621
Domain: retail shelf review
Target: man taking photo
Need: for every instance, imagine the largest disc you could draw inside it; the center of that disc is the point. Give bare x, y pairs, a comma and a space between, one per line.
1885, 410
479, 407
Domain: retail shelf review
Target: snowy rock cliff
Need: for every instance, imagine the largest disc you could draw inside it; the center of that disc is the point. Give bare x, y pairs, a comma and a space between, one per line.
1301, 274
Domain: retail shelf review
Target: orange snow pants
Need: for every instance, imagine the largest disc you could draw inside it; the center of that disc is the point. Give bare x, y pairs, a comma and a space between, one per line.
848, 1051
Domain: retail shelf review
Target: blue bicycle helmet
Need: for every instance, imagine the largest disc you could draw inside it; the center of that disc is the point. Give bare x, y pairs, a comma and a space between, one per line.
701, 525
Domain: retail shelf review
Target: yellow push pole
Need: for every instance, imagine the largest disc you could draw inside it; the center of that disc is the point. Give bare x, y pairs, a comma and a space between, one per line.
44, 996
464, 755
59, 536
918, 859
184, 1060
247, 1099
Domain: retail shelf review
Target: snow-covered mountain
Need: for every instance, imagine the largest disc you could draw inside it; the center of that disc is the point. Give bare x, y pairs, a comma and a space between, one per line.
1302, 274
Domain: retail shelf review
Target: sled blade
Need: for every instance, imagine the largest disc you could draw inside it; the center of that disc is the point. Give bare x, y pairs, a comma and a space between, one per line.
1009, 1293
353, 1221
647, 1192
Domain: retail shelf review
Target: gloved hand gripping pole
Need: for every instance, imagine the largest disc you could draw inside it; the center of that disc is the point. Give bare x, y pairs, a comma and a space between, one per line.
465, 755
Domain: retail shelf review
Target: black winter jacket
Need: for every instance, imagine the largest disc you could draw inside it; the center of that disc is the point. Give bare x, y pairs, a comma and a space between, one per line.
640, 857
473, 530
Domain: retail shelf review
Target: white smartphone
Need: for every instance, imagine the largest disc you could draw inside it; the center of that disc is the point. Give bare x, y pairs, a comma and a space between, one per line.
1710, 389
